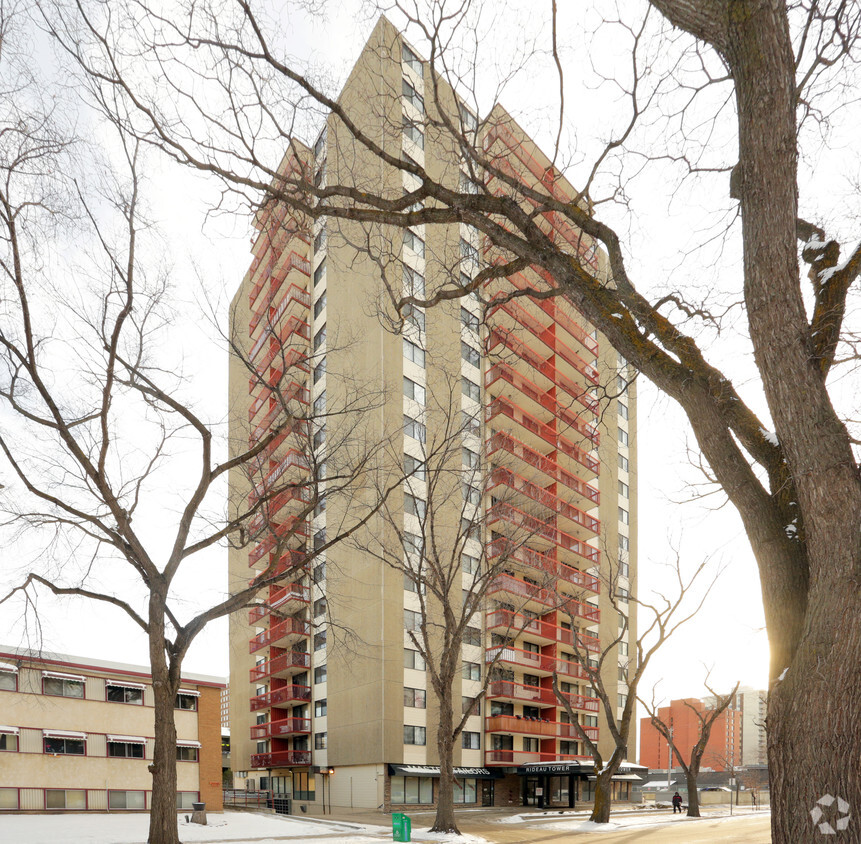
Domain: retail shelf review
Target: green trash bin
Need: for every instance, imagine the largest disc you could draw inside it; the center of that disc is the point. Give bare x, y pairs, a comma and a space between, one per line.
401, 827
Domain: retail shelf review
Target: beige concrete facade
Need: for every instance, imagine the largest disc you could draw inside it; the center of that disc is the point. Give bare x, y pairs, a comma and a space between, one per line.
77, 735
557, 430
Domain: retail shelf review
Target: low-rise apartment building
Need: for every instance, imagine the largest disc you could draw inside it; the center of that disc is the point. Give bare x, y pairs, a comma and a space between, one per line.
77, 735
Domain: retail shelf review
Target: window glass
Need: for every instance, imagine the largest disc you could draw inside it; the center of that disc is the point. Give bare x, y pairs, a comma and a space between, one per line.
470, 355
57, 798
465, 791
414, 467
184, 799
470, 741
319, 305
413, 659
414, 429
62, 688
125, 750
415, 735
8, 682
411, 59
8, 798
414, 353
320, 741
412, 96
186, 702
64, 746
470, 389
414, 242
9, 742
126, 800
414, 506
320, 674
414, 391
186, 754
122, 694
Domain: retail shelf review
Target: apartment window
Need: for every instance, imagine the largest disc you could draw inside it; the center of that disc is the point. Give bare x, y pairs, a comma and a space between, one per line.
414, 468
468, 563
470, 529
414, 735
320, 640
530, 745
623, 674
320, 175
319, 338
471, 423
471, 494
470, 355
623, 410
589, 720
8, 799
8, 681
624, 568
623, 649
623, 436
624, 543
414, 506
411, 59
624, 490
320, 674
498, 742
471, 636
467, 185
621, 383
413, 659
414, 133
186, 753
320, 273
414, 429
319, 439
470, 741
468, 320
469, 458
471, 671
470, 705
414, 391
623, 463
123, 694
414, 282
531, 680
321, 741
624, 516
320, 607
320, 144
568, 748
63, 687
319, 573
415, 316
468, 252
185, 700
320, 305
414, 353
127, 800
126, 749
184, 799
469, 120
470, 389
412, 621
319, 539
8, 744
71, 745
65, 798
414, 242
415, 698
319, 370
412, 96
623, 699
320, 240
320, 403
320, 707
622, 594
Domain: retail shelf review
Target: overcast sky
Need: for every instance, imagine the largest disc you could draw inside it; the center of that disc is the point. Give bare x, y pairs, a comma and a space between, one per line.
728, 636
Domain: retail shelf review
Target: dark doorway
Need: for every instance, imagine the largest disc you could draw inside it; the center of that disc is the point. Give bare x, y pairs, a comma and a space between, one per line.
486, 792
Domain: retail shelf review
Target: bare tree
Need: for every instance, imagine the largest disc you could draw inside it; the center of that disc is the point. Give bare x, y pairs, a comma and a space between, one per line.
707, 718
797, 490
619, 659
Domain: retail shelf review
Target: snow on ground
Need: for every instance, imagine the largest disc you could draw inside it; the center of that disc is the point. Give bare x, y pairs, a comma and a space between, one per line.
636, 821
237, 827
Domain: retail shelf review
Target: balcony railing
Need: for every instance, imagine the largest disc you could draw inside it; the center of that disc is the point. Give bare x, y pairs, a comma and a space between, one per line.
281, 759
525, 757
293, 295
282, 727
286, 694
536, 727
500, 440
293, 459
509, 690
280, 599
501, 546
282, 630
280, 394
534, 663
287, 528
301, 494
515, 624
280, 664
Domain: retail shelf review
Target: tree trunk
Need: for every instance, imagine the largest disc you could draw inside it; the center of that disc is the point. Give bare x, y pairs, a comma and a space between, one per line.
603, 796
163, 818
693, 794
444, 821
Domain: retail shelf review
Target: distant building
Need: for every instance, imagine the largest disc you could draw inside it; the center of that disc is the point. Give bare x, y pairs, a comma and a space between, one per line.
722, 752
225, 707
752, 703
77, 735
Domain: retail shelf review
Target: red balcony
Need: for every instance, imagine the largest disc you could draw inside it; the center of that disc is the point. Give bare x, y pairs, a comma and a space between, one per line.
544, 401
293, 459
294, 296
549, 466
541, 562
505, 477
532, 663
536, 727
509, 690
266, 425
286, 694
281, 759
277, 394
300, 495
290, 559
280, 666
274, 276
590, 704
539, 530
287, 359
525, 757
283, 727
515, 624
285, 600
286, 528
287, 630
526, 424
505, 584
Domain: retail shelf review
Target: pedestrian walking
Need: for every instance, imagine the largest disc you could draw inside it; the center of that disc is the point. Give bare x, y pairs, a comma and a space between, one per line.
677, 803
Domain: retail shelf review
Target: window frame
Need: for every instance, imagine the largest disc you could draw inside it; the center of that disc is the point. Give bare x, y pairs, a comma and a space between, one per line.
125, 689
66, 681
418, 734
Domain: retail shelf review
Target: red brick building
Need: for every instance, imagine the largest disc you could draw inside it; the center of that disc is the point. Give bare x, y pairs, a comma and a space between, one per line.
724, 747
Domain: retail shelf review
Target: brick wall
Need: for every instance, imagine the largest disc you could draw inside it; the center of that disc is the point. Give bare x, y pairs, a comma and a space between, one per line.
209, 736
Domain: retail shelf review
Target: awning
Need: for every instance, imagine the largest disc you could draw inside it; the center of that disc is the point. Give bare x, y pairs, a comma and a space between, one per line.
433, 771
184, 743
188, 692
128, 739
570, 767
63, 734
658, 785
57, 675
9, 730
8, 668
124, 684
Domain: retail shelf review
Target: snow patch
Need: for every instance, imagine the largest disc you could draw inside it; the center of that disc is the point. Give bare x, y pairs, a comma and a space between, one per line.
791, 531
770, 436
782, 675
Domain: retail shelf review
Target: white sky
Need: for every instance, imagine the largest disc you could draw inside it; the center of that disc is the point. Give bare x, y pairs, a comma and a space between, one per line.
728, 636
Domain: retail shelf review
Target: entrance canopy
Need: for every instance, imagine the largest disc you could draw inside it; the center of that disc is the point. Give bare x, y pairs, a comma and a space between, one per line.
433, 771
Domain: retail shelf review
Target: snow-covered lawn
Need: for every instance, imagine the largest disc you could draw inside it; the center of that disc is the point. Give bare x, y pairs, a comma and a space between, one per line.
235, 827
